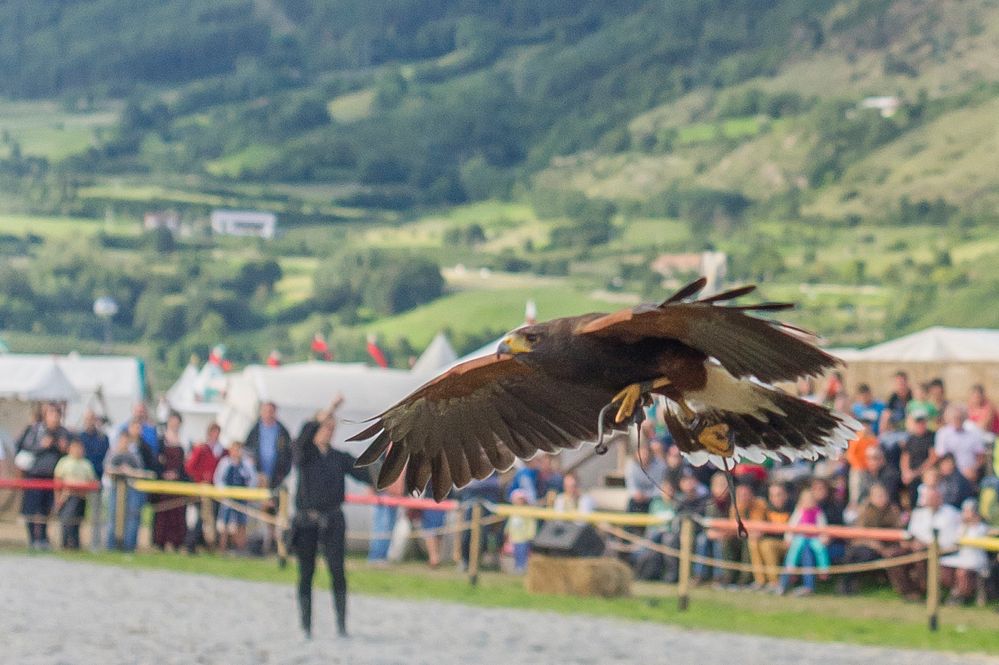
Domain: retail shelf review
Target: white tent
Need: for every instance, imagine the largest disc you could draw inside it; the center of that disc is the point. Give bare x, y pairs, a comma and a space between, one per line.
302, 389
108, 384
438, 354
961, 357
23, 381
937, 344
29, 380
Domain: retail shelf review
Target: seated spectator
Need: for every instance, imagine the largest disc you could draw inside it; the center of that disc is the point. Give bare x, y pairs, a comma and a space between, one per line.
856, 457
753, 508
877, 512
921, 405
866, 408
675, 465
131, 456
572, 499
832, 506
965, 443
773, 547
937, 395
71, 504
954, 487
643, 475
959, 571
918, 454
716, 543
649, 564
520, 531
878, 471
981, 411
806, 513
527, 478
234, 470
909, 580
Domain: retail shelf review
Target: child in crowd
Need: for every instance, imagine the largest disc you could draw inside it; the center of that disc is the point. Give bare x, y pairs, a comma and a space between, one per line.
520, 531
806, 513
234, 470
71, 503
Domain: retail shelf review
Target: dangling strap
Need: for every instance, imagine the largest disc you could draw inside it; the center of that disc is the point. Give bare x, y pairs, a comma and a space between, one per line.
730, 476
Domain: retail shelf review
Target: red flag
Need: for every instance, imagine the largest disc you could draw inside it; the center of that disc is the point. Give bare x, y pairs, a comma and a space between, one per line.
274, 359
321, 348
376, 353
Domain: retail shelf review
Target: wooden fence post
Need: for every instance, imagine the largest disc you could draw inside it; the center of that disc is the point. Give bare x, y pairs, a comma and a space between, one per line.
475, 544
120, 494
686, 550
282, 526
208, 521
96, 510
933, 581
458, 516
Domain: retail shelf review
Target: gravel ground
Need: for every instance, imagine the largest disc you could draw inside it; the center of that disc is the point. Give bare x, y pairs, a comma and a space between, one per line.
55, 611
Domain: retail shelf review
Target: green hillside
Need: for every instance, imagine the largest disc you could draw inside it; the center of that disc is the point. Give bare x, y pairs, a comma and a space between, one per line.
843, 152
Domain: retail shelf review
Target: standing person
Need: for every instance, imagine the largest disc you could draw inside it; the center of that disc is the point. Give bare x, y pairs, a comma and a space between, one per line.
269, 445
95, 441
894, 414
200, 467
234, 470
867, 408
170, 525
643, 474
937, 393
383, 523
131, 456
319, 517
149, 433
71, 504
520, 531
36, 504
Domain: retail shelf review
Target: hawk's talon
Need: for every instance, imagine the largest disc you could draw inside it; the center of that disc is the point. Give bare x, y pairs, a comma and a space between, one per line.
629, 398
715, 438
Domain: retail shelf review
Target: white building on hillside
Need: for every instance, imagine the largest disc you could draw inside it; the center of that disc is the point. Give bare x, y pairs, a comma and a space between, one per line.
244, 223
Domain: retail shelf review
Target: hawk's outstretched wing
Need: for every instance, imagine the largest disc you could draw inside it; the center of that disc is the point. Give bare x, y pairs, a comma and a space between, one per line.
477, 417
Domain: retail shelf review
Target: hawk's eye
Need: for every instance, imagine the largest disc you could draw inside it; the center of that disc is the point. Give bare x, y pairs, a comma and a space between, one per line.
531, 338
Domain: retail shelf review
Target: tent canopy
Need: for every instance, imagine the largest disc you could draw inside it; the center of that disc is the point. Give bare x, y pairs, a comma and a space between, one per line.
29, 379
937, 344
438, 355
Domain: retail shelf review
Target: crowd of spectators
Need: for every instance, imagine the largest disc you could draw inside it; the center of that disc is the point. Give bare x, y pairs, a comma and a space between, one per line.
920, 462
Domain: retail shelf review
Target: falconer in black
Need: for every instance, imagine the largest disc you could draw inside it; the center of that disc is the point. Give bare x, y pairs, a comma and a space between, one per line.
318, 515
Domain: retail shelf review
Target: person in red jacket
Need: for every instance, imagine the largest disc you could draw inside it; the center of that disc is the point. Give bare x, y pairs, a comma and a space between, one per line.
200, 467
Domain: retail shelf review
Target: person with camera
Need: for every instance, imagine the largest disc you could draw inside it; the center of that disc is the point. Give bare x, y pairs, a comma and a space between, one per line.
319, 517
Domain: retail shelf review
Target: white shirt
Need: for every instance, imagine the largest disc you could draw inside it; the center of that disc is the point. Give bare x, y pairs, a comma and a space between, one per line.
969, 558
946, 520
964, 444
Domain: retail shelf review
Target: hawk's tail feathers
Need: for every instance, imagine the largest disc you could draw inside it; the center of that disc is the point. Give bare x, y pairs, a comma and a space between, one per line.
788, 428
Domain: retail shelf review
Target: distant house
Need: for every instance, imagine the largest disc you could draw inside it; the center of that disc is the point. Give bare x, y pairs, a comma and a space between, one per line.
244, 223
712, 265
161, 219
886, 105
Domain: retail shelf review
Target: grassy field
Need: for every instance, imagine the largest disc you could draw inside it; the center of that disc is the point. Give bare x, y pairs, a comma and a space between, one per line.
43, 129
880, 619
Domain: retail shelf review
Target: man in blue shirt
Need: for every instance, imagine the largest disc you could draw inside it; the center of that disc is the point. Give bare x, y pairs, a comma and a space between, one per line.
95, 442
270, 446
149, 434
868, 409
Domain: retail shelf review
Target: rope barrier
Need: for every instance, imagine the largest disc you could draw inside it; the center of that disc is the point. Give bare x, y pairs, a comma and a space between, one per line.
831, 530
47, 484
879, 564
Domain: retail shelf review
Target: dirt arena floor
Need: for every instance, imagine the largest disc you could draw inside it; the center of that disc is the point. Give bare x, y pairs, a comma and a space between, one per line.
61, 612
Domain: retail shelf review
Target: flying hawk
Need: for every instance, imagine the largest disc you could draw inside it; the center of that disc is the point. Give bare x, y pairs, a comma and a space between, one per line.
549, 385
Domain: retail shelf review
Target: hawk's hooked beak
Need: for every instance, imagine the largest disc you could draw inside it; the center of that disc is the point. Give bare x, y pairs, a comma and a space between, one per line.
513, 344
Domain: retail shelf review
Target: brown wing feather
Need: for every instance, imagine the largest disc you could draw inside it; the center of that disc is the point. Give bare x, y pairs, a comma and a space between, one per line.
743, 344
475, 418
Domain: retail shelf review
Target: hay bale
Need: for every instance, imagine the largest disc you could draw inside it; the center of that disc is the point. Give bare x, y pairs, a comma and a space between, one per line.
575, 576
